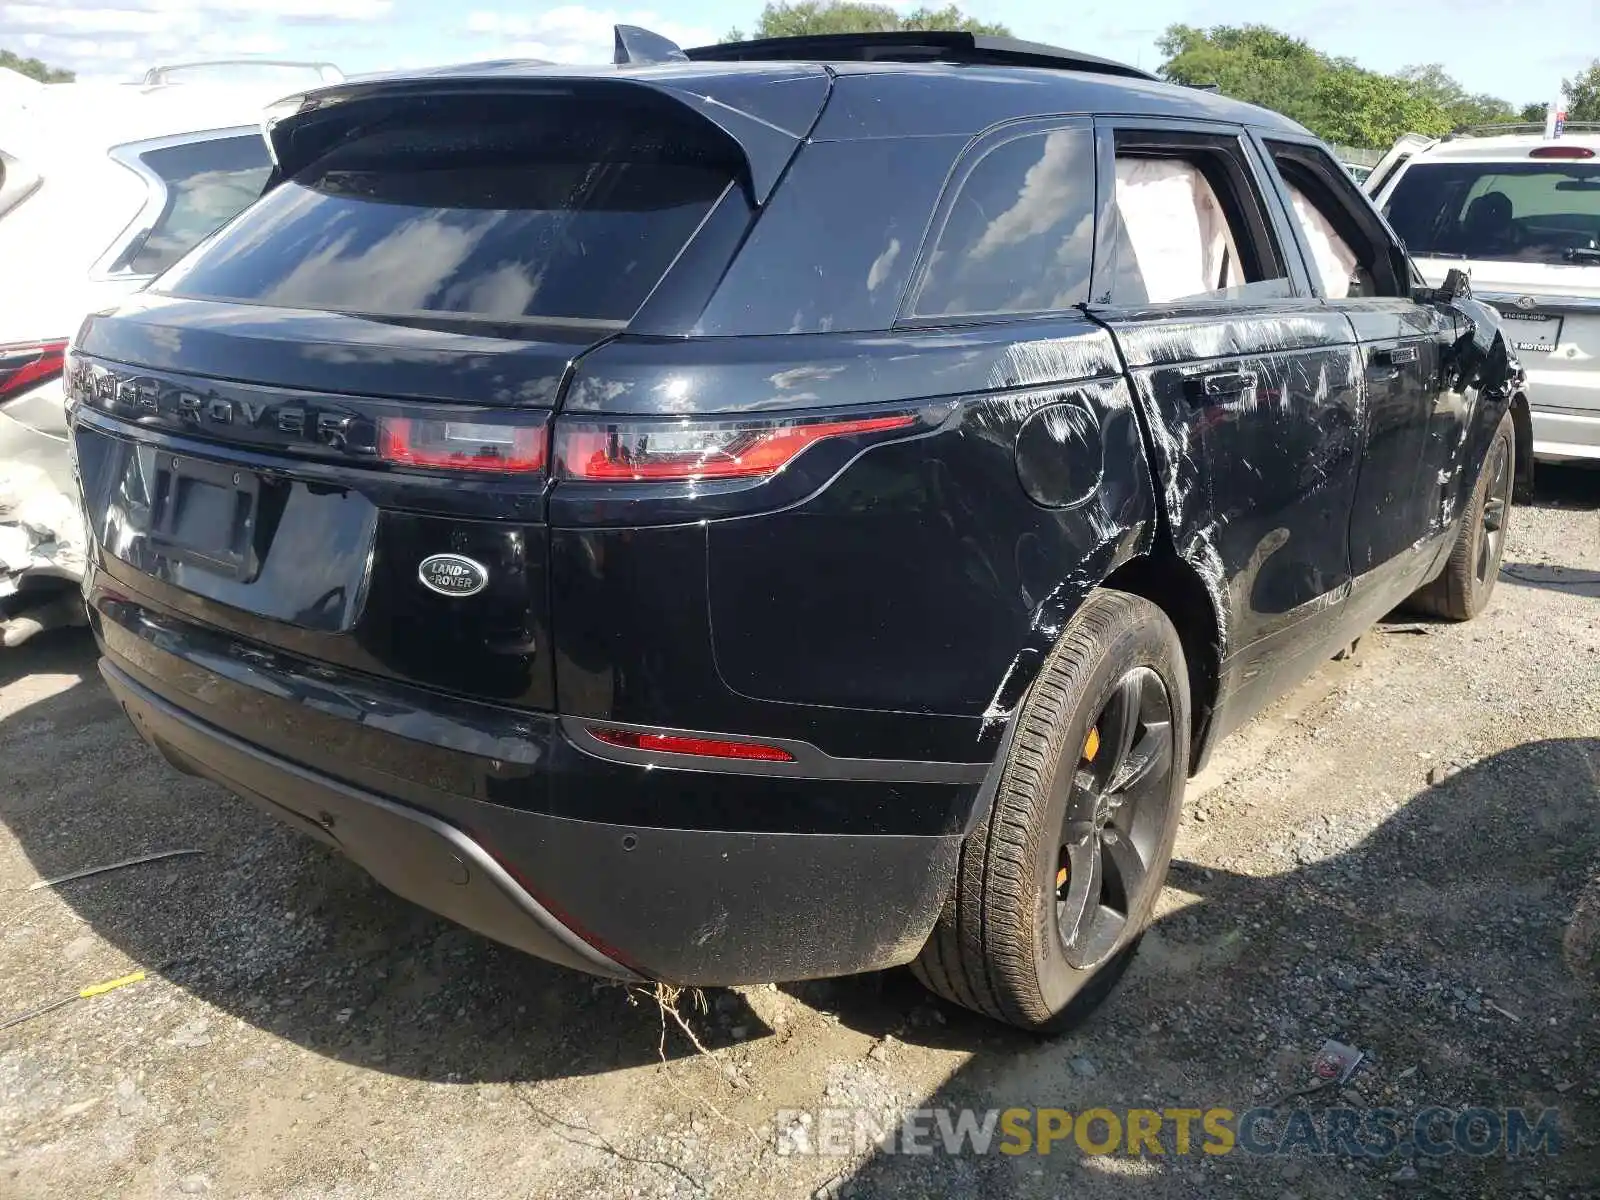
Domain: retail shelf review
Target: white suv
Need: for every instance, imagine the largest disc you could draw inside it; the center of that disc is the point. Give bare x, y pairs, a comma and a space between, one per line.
1521, 214
102, 186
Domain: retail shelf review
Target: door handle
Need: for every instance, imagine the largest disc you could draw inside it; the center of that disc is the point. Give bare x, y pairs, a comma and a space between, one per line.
1219, 384
1396, 356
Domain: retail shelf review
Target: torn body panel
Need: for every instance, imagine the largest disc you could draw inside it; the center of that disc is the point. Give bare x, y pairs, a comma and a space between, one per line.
41, 524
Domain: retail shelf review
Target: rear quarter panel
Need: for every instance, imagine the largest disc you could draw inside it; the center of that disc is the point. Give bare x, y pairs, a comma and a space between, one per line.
901, 601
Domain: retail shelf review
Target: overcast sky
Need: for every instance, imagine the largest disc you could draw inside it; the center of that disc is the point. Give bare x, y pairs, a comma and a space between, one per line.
1519, 49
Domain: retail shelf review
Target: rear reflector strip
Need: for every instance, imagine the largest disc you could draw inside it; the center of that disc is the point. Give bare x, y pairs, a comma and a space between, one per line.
666, 451
672, 743
461, 445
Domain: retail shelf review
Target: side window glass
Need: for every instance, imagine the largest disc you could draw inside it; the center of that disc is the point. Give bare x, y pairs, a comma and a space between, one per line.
1351, 252
1019, 235
1179, 240
1335, 263
208, 183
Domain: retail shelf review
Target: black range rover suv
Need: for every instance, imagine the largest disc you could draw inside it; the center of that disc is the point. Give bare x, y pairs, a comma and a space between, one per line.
776, 510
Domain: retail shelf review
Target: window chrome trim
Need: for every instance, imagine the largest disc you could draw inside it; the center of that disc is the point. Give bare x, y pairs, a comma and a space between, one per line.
131, 156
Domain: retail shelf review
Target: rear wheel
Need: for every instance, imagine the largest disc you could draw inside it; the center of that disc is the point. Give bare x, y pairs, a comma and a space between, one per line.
1056, 884
1463, 588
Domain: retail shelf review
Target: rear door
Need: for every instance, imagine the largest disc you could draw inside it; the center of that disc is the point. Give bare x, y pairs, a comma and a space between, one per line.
1415, 426
326, 429
1252, 386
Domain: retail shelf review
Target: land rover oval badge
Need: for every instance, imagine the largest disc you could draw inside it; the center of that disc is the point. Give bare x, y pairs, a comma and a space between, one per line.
453, 575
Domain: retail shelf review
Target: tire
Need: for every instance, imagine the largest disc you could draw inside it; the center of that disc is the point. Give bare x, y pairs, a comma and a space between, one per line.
1001, 945
1463, 588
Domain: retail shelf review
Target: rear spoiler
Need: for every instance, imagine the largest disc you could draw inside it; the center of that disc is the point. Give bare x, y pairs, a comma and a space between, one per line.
765, 114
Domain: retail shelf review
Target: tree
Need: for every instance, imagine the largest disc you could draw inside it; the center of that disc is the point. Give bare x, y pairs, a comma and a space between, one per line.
806, 17
34, 69
1432, 82
1583, 94
1363, 108
1252, 63
1333, 97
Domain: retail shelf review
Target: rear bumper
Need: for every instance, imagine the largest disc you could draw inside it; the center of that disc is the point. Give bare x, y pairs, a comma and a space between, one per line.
1560, 433
700, 906
411, 853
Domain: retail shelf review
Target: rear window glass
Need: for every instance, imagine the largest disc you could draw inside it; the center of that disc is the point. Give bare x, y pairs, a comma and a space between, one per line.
1019, 236
1540, 212
207, 184
551, 211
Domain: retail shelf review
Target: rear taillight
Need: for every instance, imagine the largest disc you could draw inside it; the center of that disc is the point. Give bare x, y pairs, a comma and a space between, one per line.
702, 747
690, 450
461, 445
1561, 152
24, 364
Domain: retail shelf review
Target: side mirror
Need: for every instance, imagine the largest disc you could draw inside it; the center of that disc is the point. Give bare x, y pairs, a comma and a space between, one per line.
1457, 286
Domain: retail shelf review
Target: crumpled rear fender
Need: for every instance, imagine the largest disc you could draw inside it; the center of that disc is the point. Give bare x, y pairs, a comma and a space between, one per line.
41, 522
1480, 366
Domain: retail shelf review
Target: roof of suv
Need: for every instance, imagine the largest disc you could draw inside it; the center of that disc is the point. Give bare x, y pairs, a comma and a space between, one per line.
950, 88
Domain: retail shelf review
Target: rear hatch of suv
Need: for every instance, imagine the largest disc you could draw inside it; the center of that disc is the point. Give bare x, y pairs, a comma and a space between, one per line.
325, 431
1526, 225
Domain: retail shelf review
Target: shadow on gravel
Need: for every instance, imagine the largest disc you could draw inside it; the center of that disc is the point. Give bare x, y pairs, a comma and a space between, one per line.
1555, 579
1567, 486
272, 928
1480, 898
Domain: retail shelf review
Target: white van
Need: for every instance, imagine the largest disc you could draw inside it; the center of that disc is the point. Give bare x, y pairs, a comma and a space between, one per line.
1521, 213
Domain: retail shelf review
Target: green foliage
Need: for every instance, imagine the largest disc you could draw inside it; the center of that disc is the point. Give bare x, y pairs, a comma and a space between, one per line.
1432, 82
1333, 97
1250, 62
34, 69
808, 17
1583, 94
1362, 108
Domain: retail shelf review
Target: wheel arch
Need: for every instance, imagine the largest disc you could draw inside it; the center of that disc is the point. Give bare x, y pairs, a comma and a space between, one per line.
1176, 588
1522, 427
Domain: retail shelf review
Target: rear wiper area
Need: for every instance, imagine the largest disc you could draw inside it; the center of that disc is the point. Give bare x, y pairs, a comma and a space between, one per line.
1581, 254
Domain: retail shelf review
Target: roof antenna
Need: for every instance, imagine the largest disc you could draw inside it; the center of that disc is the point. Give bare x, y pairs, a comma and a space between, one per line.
635, 45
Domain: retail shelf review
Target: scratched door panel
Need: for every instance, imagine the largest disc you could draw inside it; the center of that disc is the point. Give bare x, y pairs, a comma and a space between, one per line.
1412, 448
1257, 419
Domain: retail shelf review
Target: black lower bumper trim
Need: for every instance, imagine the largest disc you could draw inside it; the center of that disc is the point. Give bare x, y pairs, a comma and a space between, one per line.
411, 853
689, 906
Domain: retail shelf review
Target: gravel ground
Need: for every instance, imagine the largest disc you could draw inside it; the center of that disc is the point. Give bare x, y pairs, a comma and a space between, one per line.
1404, 855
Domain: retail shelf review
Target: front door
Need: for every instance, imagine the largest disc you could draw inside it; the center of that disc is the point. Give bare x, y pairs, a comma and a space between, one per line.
1415, 423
